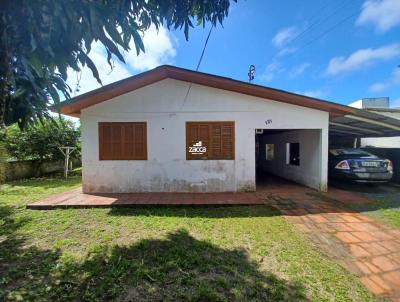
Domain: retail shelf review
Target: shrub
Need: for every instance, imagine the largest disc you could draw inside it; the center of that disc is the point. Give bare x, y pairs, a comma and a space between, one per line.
41, 141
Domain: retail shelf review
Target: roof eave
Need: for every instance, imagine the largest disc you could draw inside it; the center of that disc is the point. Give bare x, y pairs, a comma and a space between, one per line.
75, 105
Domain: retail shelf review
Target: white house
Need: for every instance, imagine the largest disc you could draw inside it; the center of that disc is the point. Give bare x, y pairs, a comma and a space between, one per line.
175, 130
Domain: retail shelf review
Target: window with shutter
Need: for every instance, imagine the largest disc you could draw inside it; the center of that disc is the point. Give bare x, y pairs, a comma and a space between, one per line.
123, 141
210, 140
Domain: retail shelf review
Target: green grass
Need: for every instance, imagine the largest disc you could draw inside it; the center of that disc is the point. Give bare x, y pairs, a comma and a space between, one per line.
247, 253
384, 208
385, 201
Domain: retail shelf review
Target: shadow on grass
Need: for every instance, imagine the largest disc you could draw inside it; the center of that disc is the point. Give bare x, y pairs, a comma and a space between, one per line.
382, 196
348, 197
365, 188
227, 211
379, 203
46, 182
176, 268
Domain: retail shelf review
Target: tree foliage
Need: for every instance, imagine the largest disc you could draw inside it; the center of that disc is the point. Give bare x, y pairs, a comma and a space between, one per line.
41, 141
42, 39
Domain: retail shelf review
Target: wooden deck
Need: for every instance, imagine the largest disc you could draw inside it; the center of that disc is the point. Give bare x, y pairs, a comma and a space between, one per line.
76, 199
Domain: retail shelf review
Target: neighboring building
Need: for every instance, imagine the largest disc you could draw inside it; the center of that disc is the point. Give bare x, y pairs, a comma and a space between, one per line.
379, 106
383, 142
176, 130
365, 103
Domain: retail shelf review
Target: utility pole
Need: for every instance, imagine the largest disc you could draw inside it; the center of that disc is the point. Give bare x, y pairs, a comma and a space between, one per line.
66, 151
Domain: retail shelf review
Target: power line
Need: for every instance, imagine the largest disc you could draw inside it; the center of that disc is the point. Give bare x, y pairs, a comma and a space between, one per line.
330, 29
204, 48
337, 24
320, 21
198, 65
324, 33
313, 24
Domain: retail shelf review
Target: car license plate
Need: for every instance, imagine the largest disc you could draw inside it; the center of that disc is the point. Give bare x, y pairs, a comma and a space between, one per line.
370, 164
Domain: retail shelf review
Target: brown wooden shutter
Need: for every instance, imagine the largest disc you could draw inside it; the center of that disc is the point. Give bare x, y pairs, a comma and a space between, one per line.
140, 141
217, 137
116, 140
228, 140
105, 141
216, 145
123, 141
197, 132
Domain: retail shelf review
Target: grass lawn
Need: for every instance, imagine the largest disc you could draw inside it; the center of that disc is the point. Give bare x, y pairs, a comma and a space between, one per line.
158, 254
384, 208
385, 200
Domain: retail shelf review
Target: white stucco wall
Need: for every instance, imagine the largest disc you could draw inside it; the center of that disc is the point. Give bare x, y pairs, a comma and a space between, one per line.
381, 142
311, 171
162, 105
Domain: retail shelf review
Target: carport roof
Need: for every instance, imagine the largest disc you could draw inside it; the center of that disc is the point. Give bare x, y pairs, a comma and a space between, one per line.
364, 123
345, 120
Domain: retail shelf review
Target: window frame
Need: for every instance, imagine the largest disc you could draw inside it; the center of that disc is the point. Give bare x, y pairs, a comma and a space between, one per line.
289, 156
209, 123
102, 156
269, 152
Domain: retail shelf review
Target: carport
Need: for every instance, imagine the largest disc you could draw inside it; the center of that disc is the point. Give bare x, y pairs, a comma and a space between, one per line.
291, 154
346, 130
295, 154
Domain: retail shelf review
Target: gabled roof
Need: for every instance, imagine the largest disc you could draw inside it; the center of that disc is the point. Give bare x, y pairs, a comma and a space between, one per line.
107, 92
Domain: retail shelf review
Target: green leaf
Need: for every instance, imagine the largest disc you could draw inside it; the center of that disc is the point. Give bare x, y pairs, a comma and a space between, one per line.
92, 66
36, 65
54, 95
33, 43
138, 42
114, 34
112, 48
48, 38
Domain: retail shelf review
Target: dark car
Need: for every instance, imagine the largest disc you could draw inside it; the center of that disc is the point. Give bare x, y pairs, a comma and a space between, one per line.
359, 166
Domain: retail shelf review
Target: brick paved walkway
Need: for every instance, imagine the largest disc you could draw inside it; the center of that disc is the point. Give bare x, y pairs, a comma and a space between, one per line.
76, 199
357, 242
